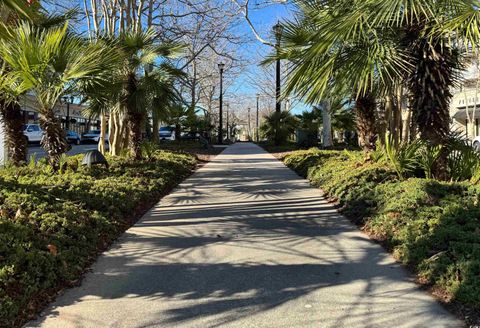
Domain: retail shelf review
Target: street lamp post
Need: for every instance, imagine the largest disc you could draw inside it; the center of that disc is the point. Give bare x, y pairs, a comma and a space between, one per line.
228, 129
256, 132
221, 66
249, 126
65, 100
278, 31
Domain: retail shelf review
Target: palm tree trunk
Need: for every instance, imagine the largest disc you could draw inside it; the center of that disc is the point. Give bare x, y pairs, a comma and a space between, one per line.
54, 141
365, 121
125, 136
155, 127
430, 95
327, 124
135, 133
134, 118
178, 131
15, 141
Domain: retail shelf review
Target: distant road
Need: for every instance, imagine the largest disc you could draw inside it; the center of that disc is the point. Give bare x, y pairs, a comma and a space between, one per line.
76, 149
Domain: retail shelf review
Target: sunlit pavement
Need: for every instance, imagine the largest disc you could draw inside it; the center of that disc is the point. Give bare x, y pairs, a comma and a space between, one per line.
245, 242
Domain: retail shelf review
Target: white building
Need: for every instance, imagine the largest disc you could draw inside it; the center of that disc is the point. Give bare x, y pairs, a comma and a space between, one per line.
465, 104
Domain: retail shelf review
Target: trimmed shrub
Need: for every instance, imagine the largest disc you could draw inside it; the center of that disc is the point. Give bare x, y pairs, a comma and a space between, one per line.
52, 224
431, 226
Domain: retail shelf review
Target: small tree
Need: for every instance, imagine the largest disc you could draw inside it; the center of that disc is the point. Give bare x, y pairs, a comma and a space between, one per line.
51, 63
278, 127
139, 49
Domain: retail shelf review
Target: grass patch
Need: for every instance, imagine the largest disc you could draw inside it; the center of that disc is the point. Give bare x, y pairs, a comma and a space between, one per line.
53, 224
433, 227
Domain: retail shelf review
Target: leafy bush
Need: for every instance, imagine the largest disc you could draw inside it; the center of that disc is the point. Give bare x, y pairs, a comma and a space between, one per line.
463, 160
432, 226
417, 158
278, 127
427, 156
51, 224
148, 149
403, 157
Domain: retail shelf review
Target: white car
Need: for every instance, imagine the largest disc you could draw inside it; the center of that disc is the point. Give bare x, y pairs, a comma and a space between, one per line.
93, 136
33, 132
166, 133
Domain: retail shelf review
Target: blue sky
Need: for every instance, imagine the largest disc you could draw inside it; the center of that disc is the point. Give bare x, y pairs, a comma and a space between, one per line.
263, 19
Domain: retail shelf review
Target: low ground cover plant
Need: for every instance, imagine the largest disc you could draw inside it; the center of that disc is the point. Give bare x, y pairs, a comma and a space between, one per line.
431, 226
53, 223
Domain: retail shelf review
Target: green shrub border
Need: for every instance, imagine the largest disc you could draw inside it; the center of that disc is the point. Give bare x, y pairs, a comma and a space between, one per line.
432, 227
53, 225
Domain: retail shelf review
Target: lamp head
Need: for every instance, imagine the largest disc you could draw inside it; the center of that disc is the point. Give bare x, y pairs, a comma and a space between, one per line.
278, 31
221, 66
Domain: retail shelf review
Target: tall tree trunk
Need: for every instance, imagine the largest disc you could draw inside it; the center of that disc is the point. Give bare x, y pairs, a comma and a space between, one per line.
103, 133
155, 127
125, 136
54, 141
178, 131
430, 95
406, 126
135, 120
114, 138
396, 126
111, 130
327, 124
15, 141
382, 118
365, 122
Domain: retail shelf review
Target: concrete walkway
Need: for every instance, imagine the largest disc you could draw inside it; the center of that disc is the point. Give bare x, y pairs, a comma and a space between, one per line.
245, 242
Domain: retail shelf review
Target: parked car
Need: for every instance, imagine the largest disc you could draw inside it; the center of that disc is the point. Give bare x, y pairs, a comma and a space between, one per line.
167, 133
33, 132
74, 137
190, 136
93, 136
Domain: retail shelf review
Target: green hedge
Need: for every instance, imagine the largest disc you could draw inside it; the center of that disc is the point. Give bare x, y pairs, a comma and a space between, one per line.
52, 224
431, 226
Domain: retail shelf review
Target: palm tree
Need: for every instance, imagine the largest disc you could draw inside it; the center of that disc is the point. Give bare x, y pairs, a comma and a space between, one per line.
139, 49
329, 60
11, 116
50, 63
425, 36
277, 127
